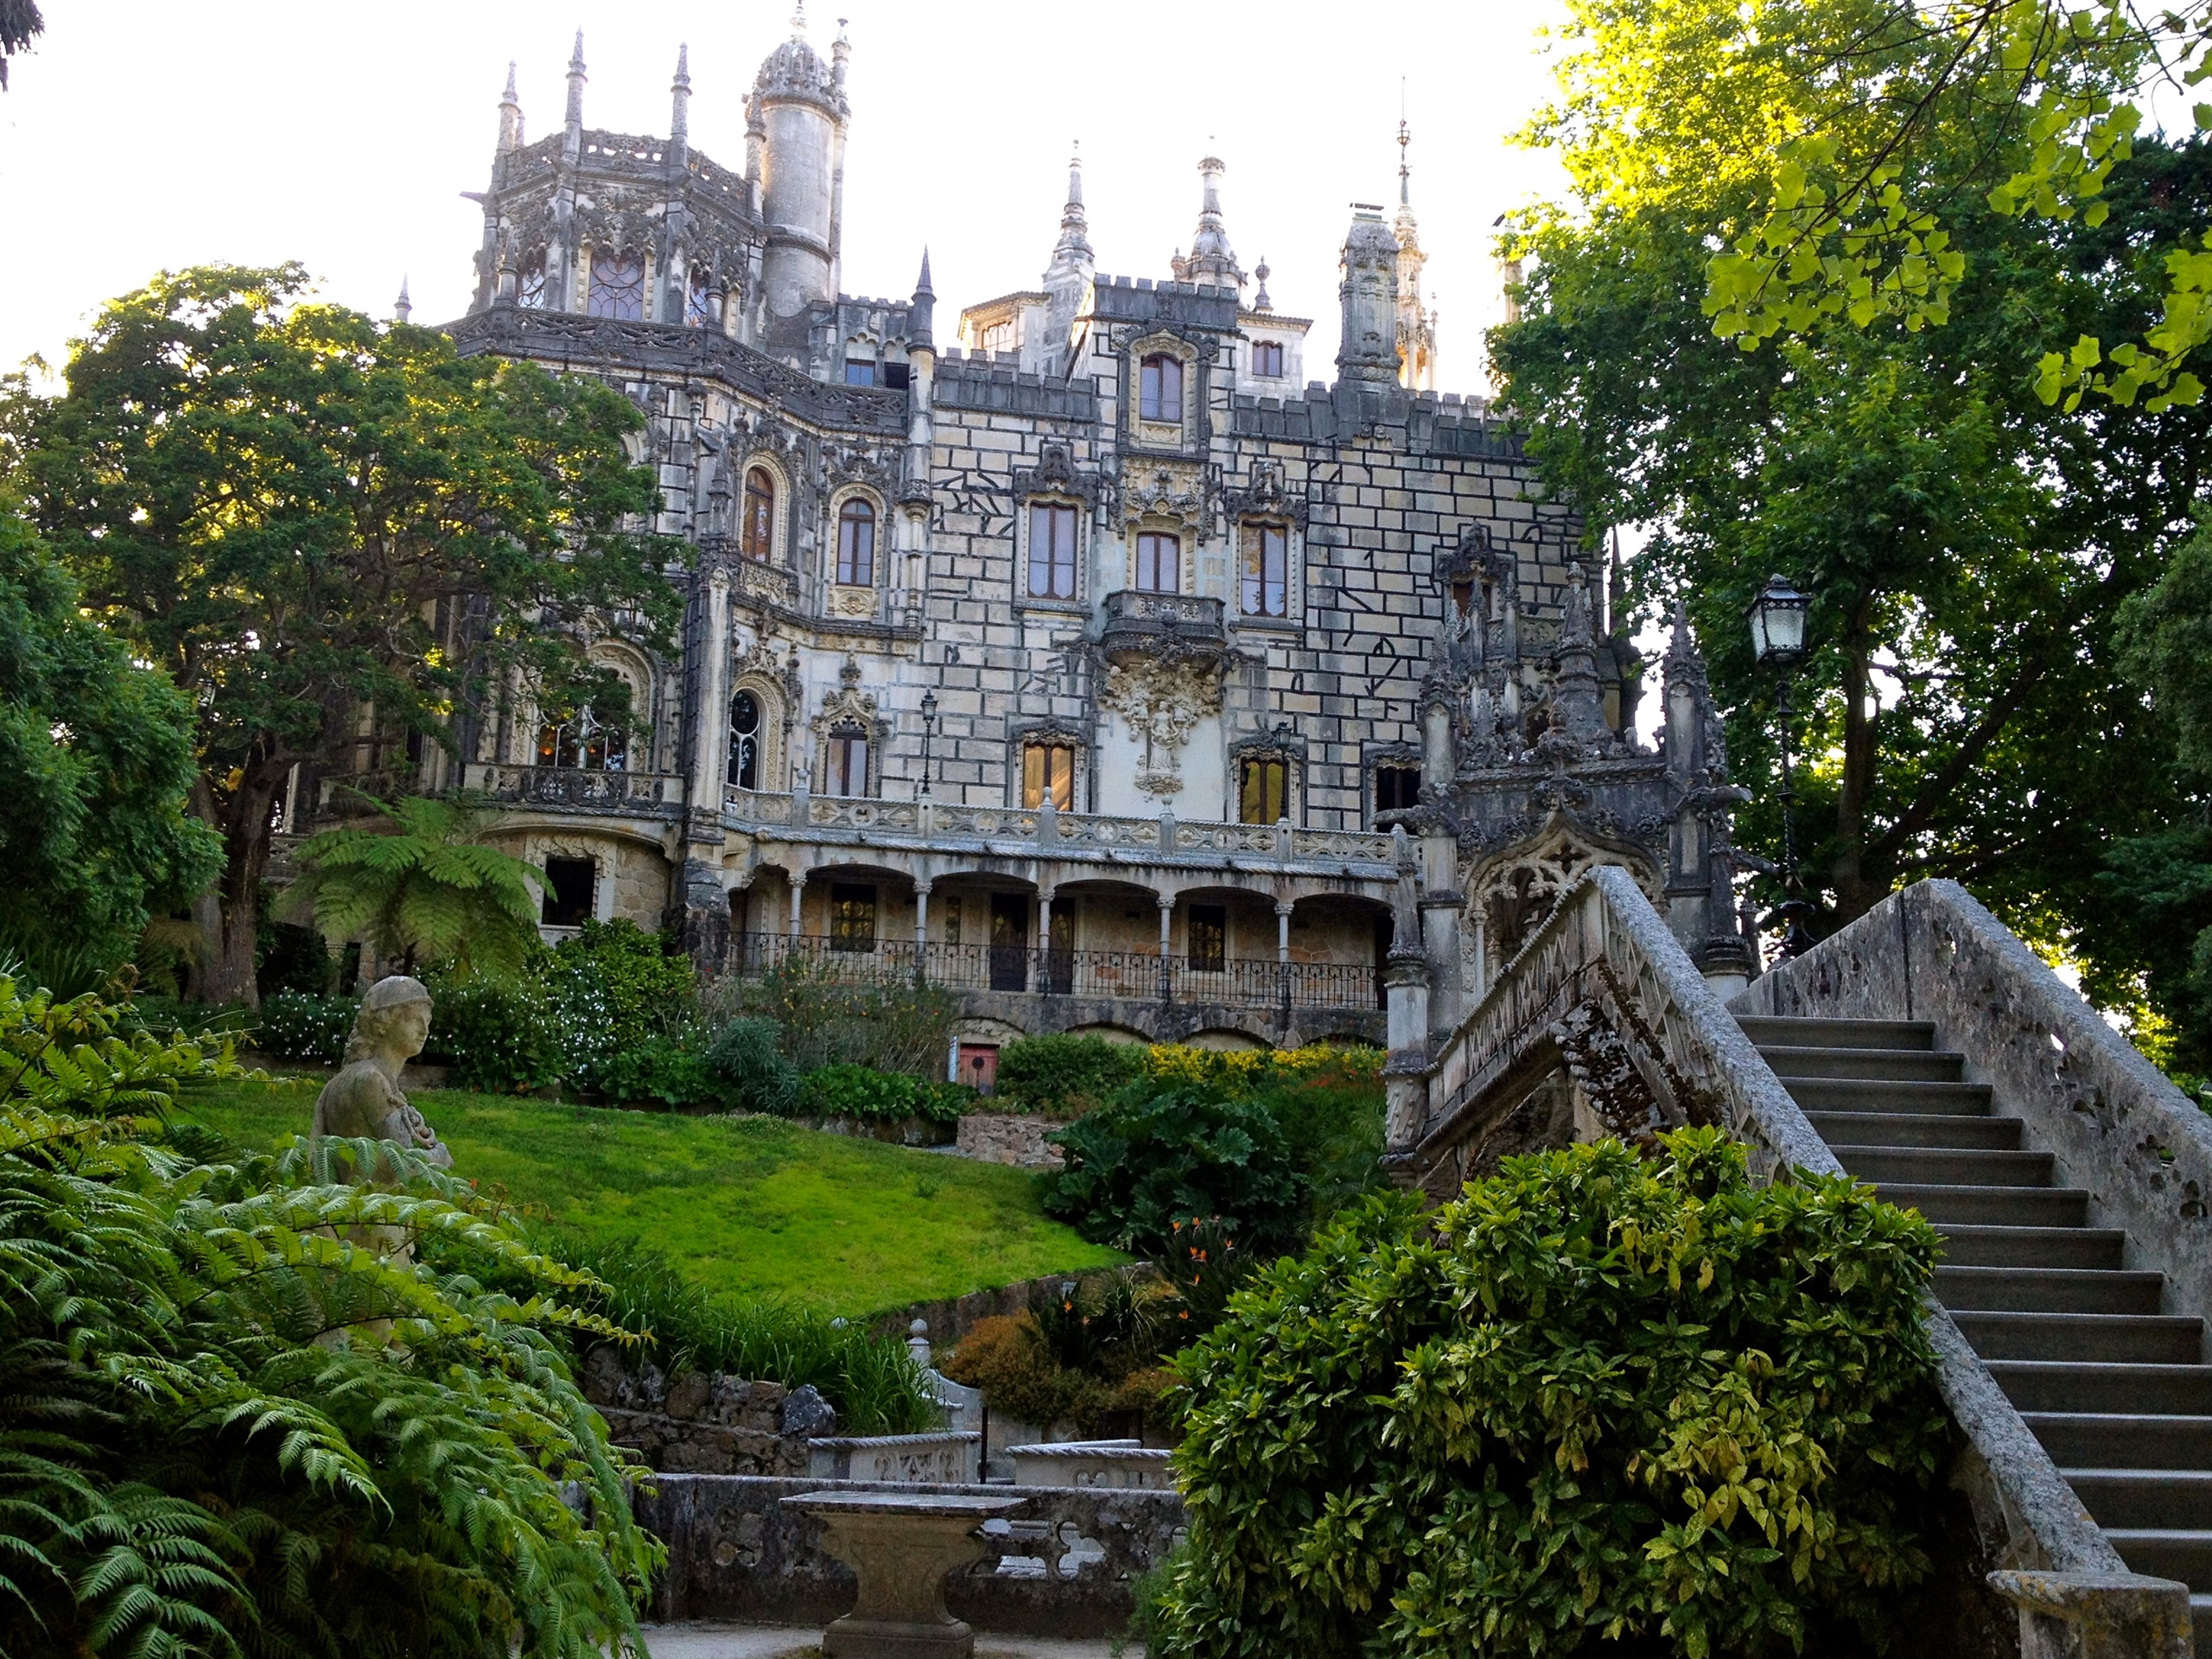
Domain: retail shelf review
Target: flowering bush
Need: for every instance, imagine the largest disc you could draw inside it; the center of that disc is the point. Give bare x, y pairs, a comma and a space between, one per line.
299, 1025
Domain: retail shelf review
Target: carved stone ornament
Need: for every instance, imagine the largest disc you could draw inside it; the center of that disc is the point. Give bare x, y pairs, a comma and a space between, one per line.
1056, 473
1176, 493
1163, 703
847, 705
1515, 892
760, 658
853, 602
1265, 497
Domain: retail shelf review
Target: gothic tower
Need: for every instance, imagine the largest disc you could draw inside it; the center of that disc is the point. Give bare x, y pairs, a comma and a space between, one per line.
799, 109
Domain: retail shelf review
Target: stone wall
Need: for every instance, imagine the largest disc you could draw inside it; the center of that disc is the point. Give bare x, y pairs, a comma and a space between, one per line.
701, 1422
1062, 1565
1009, 1138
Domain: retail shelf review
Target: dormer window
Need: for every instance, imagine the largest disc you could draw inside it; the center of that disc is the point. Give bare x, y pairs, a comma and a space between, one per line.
1263, 584
1160, 388
1266, 359
757, 537
618, 286
856, 544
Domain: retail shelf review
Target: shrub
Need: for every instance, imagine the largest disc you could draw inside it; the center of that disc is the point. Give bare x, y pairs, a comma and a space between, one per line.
614, 986
871, 1380
212, 1448
1595, 1400
858, 1091
945, 1103
1086, 1355
1065, 1075
1331, 1115
667, 1070
299, 1026
504, 1036
1150, 1160
834, 1013
746, 1056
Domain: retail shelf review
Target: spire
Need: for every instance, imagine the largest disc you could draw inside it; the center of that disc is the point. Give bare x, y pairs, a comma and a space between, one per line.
573, 118
402, 308
921, 316
1212, 258
679, 113
1416, 325
841, 54
510, 115
1072, 258
798, 20
1260, 300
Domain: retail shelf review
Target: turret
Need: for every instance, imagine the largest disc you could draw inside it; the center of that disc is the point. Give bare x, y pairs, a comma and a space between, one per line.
1369, 295
1068, 277
799, 103
1212, 260
1416, 327
403, 308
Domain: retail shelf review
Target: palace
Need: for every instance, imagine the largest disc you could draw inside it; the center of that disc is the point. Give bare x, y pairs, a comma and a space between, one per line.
1097, 666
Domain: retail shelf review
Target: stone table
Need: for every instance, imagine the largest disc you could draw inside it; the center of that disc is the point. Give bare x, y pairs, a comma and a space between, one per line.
900, 1545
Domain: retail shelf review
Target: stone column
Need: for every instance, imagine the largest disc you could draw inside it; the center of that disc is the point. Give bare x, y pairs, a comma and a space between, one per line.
1166, 964
1441, 902
1044, 939
1405, 1080
921, 928
705, 905
799, 893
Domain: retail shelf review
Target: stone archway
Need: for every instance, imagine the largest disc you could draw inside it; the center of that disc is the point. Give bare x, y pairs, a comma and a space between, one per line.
1513, 893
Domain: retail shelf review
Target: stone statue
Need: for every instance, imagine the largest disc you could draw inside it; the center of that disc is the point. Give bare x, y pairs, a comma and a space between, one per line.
364, 1100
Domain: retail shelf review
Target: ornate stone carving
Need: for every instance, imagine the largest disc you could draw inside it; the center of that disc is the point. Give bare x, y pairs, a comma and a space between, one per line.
847, 705
1056, 473
852, 601
1264, 497
1176, 493
1514, 892
1163, 703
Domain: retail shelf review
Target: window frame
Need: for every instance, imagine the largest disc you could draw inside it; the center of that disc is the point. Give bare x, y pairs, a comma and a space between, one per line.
756, 531
861, 371
1253, 536
1400, 769
1058, 564
855, 566
1266, 360
700, 310
531, 292
634, 297
1259, 766
549, 895
745, 747
1041, 770
1150, 545
568, 744
1213, 919
839, 746
1161, 389
851, 904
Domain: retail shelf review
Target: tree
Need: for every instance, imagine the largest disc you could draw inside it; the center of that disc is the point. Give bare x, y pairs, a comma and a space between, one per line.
337, 537
202, 1449
1967, 544
1849, 138
19, 24
98, 756
425, 891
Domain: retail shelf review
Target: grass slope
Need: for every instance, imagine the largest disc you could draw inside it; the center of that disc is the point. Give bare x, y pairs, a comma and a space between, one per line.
752, 1205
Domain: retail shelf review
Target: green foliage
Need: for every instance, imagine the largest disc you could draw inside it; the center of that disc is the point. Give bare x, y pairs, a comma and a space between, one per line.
1154, 1158
871, 1380
226, 1427
879, 1096
1331, 1117
295, 1026
828, 1017
1088, 1355
424, 891
295, 959
96, 752
665, 1070
1594, 1400
19, 24
1065, 1076
614, 986
502, 1036
287, 504
745, 1055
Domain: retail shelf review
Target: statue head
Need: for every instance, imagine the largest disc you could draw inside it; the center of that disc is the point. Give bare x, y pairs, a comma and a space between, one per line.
394, 1021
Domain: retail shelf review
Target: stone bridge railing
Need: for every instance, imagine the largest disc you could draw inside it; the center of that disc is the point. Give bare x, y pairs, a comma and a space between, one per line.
1605, 994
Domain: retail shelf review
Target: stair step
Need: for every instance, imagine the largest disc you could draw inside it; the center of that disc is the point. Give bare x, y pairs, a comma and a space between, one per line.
2200, 1618
1899, 1064
2101, 1440
1944, 1167
2146, 1497
1991, 1206
1764, 1028
2048, 1290
1858, 1094
2043, 1385
2183, 1553
2120, 1338
1958, 1132
1965, 1245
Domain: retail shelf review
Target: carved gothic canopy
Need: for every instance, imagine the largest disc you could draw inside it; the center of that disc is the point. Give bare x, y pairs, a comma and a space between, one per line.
1179, 493
1265, 496
1478, 557
1056, 473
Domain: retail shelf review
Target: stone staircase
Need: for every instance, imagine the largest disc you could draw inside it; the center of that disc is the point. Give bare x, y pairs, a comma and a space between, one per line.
2119, 1392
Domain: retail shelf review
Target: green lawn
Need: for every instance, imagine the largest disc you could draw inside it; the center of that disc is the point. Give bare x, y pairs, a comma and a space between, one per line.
754, 1205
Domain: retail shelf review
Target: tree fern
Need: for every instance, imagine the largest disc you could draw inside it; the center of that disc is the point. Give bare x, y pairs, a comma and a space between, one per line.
227, 1432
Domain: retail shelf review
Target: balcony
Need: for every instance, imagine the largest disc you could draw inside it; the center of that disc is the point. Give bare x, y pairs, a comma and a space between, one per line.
1156, 626
656, 793
1143, 976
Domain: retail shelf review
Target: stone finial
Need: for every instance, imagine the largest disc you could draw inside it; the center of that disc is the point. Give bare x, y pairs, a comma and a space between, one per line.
1260, 272
679, 113
573, 117
1212, 259
921, 315
402, 308
1072, 258
510, 114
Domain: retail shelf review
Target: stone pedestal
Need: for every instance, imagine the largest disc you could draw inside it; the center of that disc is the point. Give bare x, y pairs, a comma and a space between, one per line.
900, 1545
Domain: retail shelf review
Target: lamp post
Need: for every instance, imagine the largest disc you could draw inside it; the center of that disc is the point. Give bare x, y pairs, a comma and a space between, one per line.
1777, 618
929, 735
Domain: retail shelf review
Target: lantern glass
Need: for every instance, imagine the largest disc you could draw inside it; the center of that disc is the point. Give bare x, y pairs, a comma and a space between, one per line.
1778, 623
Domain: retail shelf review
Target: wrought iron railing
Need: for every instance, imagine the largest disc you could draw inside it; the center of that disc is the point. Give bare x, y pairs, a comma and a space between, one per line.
1144, 974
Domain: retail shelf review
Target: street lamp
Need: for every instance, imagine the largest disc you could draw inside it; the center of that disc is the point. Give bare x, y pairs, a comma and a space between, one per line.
1778, 617
929, 733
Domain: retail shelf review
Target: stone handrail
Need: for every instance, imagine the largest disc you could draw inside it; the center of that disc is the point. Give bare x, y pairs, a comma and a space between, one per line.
1605, 939
590, 788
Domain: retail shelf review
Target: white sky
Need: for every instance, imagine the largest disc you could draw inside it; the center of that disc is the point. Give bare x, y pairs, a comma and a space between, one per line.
144, 134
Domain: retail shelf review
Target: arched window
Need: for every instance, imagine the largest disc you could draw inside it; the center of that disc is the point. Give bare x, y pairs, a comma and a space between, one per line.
530, 291
584, 742
848, 759
618, 286
856, 544
700, 310
1160, 388
744, 741
1159, 563
757, 535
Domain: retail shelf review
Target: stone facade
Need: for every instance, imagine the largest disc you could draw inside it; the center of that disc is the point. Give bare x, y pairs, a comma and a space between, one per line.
1096, 666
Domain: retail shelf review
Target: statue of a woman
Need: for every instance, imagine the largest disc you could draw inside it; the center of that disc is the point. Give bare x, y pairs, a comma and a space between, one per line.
364, 1100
